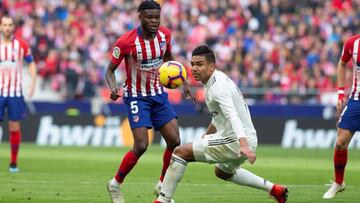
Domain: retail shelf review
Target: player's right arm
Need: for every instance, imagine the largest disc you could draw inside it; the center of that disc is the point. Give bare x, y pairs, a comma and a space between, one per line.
28, 57
341, 74
227, 105
117, 56
111, 81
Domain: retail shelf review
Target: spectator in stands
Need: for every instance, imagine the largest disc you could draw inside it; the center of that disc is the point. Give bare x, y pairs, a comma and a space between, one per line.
257, 37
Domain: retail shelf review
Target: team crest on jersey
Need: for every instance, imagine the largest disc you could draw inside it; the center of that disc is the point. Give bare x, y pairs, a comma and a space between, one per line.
136, 118
116, 52
162, 45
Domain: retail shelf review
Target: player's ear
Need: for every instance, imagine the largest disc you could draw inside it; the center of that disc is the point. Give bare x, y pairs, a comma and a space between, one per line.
212, 66
140, 15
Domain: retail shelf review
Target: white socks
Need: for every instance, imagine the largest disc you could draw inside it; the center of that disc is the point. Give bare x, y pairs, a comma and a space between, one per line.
245, 177
172, 177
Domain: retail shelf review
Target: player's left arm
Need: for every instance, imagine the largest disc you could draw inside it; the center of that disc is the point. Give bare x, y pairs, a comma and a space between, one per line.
346, 55
32, 67
169, 57
187, 90
227, 105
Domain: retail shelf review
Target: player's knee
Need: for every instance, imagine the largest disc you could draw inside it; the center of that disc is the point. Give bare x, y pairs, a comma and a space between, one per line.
140, 148
222, 175
341, 144
174, 143
181, 152
14, 126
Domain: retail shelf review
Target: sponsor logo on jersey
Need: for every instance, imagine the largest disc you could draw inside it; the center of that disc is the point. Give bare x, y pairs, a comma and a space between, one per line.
116, 52
149, 64
214, 113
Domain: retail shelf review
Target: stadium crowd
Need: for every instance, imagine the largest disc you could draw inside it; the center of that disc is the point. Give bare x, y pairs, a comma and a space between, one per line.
279, 51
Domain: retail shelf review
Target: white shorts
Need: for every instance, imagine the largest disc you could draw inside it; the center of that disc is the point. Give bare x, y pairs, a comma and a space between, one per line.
221, 150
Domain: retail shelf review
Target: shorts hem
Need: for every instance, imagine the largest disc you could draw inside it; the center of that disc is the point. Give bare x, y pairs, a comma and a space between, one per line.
146, 126
164, 123
347, 128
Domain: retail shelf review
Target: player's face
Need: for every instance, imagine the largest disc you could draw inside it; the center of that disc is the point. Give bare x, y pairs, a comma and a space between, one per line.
201, 69
150, 20
7, 26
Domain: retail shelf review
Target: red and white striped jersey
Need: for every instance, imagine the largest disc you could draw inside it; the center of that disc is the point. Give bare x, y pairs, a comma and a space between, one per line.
351, 51
143, 58
12, 55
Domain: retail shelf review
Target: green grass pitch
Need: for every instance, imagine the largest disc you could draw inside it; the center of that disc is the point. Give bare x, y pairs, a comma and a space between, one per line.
79, 175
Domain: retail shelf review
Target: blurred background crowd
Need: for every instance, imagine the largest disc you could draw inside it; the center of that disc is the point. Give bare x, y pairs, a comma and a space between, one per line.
277, 51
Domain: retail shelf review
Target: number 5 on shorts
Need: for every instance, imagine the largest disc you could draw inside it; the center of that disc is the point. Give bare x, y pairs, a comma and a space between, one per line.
134, 107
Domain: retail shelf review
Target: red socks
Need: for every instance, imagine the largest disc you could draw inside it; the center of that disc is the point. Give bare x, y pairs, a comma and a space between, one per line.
340, 160
166, 161
128, 162
15, 138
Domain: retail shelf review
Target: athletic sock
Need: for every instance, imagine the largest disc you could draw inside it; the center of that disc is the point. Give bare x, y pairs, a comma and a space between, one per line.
172, 177
15, 138
340, 160
166, 161
128, 162
245, 177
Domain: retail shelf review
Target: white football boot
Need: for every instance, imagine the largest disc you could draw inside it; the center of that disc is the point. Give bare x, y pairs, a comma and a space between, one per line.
115, 193
333, 190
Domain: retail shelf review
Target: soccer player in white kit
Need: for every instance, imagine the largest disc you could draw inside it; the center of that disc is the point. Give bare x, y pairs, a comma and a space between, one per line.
230, 139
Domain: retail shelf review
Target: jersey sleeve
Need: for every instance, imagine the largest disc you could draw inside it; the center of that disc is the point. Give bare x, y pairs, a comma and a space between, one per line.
119, 51
27, 51
347, 51
167, 33
227, 106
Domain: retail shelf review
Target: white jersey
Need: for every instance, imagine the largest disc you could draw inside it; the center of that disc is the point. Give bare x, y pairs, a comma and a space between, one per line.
229, 111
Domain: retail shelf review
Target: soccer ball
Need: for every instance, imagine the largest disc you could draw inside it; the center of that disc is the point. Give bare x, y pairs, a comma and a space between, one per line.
172, 74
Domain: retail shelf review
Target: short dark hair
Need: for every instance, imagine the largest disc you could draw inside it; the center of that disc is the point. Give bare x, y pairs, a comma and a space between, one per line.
5, 14
148, 4
204, 50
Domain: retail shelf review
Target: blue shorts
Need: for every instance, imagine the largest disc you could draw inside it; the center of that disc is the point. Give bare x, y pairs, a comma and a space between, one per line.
150, 111
15, 107
350, 117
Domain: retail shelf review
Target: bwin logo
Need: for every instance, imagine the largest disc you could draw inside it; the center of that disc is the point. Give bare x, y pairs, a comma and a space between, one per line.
311, 138
77, 135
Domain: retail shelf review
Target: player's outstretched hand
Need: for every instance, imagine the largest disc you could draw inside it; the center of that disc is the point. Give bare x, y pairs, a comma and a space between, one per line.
187, 92
340, 105
114, 95
246, 151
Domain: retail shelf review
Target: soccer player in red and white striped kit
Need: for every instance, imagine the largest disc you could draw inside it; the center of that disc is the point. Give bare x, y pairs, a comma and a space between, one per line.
13, 51
349, 121
144, 50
